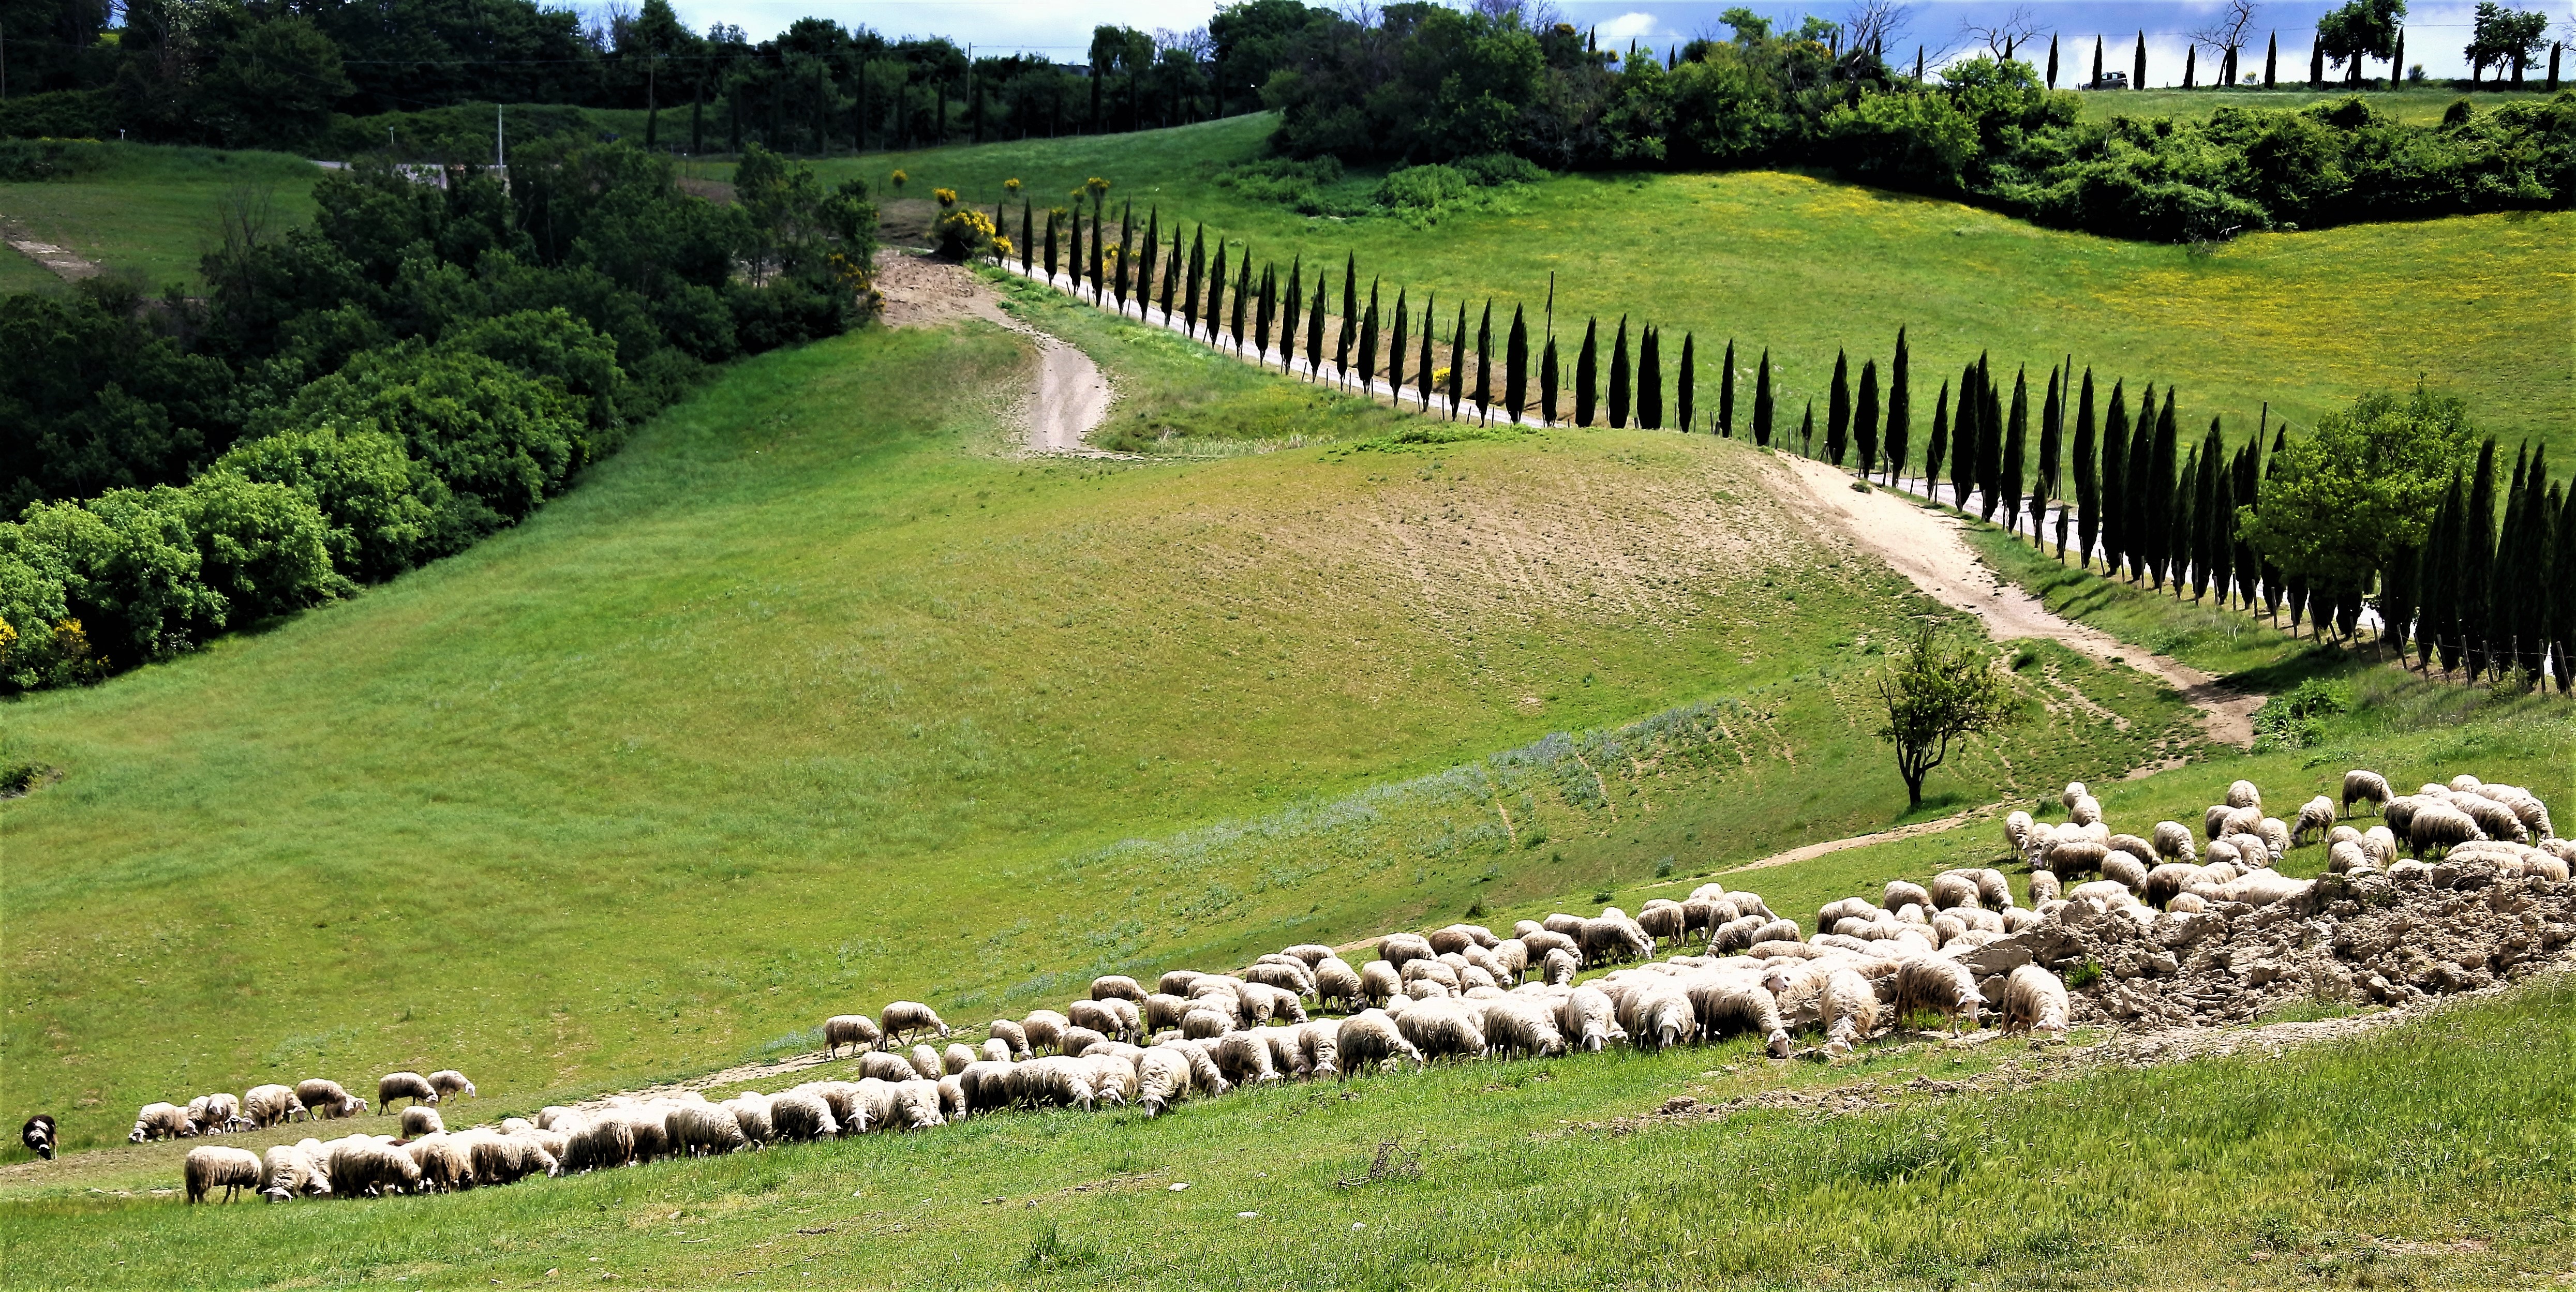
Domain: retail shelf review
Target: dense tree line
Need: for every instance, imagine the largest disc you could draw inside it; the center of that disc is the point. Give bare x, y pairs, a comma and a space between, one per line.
421, 365
1425, 83
255, 73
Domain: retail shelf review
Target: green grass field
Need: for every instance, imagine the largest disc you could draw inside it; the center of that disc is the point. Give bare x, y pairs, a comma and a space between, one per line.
1803, 265
2413, 106
151, 210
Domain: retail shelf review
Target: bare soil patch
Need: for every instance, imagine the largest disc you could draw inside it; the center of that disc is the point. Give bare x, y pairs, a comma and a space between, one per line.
1070, 395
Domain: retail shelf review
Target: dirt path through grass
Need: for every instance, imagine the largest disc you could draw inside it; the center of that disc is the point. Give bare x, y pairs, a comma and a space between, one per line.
1924, 546
62, 261
1072, 395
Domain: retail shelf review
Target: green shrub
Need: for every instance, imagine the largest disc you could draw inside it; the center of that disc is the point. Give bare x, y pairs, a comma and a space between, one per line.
25, 160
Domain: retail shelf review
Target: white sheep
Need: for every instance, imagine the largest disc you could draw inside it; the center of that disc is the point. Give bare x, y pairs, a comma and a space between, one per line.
1588, 1019
954, 1059
2044, 886
1397, 948
1940, 984
1380, 979
269, 1105
2244, 794
1441, 1029
1658, 1017
1117, 987
325, 1098
1369, 1038
451, 1084
927, 1064
1319, 1049
857, 1031
1733, 1004
796, 1116
696, 1128
1053, 1082
1162, 1078
444, 1168
2173, 842
885, 1065
2085, 811
1336, 983
1245, 1059
1850, 1010
1522, 1026
1044, 1029
360, 1166
421, 1119
1560, 967
2034, 1000
1313, 953
1952, 889
904, 1017
161, 1121
1080, 1040
2364, 787
2496, 819
230, 1169
1011, 1033
752, 1112
2436, 827
403, 1085
1176, 982
290, 1171
917, 1105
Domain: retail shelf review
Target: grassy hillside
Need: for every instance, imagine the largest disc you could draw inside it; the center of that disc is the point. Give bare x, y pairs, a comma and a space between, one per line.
1803, 265
816, 696
2414, 106
151, 210
2429, 1154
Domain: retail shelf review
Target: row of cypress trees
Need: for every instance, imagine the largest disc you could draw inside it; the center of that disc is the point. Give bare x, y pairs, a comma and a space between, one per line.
2154, 505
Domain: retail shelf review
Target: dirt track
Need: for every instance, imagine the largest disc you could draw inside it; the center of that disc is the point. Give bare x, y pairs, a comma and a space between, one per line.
1924, 546
1071, 395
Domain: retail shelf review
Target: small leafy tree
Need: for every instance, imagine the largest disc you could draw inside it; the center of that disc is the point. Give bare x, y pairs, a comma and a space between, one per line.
1936, 694
2344, 500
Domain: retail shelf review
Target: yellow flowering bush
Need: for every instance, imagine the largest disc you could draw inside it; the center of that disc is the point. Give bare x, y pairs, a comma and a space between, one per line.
963, 233
899, 178
946, 196
1011, 186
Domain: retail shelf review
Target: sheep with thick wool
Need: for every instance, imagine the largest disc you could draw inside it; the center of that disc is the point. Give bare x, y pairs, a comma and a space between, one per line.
322, 1097
1939, 984
230, 1169
1522, 1026
1245, 1059
857, 1031
1117, 987
1380, 979
1442, 1029
1658, 1017
1336, 983
1736, 1004
161, 1121
291, 1171
2034, 1001
917, 1105
904, 1017
444, 1167
1371, 1037
1010, 1033
954, 1059
1588, 1019
1397, 948
753, 1114
1053, 1082
885, 1065
420, 1119
696, 1128
269, 1105
2434, 827
1162, 1079
1044, 1029
2361, 786
451, 1084
1849, 1010
361, 1166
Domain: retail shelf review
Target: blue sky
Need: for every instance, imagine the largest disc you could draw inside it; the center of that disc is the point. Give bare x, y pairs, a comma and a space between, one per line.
2436, 29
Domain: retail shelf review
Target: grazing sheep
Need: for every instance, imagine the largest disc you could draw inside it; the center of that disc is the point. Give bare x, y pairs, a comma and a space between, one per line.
2364, 787
1415, 971
2075, 856
270, 1105
420, 1119
229, 1169
2188, 904
161, 1121
2398, 811
1449, 940
1662, 921
2381, 843
1162, 1077
360, 1166
1849, 1010
904, 1017
645, 1126
2125, 871
1588, 1019
1163, 1010
753, 1112
450, 1083
444, 1168
1521, 1026
1901, 893
2275, 834
1319, 1050
1313, 953
2086, 810
1079, 1040
1336, 983
2044, 886
1203, 1073
2436, 827
556, 1117
1011, 1033
1044, 1029
918, 1105
2131, 844
1750, 904
2167, 882
1176, 982
2263, 888
501, 1159
323, 1098
2497, 820
39, 1135
216, 1114
2034, 1000
1994, 892
885, 1065
986, 1084
2316, 816
1207, 1024
1116, 986
1053, 1082
2224, 821
1560, 968
1369, 1038
2018, 828
1543, 941
2243, 794
926, 1064
857, 1031
1380, 979
1659, 1017
2345, 857
1245, 1059
2173, 842
1441, 1029
1397, 948
2464, 783
1940, 984
1952, 889
1289, 976
290, 1171
1734, 1004
954, 1059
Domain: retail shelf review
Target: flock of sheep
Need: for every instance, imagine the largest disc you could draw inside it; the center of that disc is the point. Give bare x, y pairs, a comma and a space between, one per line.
1734, 968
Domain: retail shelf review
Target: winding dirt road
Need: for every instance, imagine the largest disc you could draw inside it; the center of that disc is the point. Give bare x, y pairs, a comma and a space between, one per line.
1070, 396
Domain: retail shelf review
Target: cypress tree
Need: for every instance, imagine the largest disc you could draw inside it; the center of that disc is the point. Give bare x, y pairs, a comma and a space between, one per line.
2115, 492
1990, 445
2138, 72
2562, 582
1838, 410
2202, 543
1214, 312
1099, 249
2504, 630
1807, 432
2438, 621
1368, 340
2043, 483
1242, 295
2249, 476
1172, 279
1963, 437
1315, 331
2097, 63
2088, 476
1547, 379
1900, 413
2534, 568
2052, 60
2142, 507
1650, 381
1865, 419
2190, 65
1125, 258
1073, 247
2271, 59
1050, 247
1028, 226
1939, 447
1288, 304
1395, 351
1485, 361
1516, 367
2218, 513
1350, 314
1265, 314
2477, 559
2317, 81
1457, 358
2008, 472
2397, 597
1196, 283
1422, 369
2168, 445
1619, 376
1762, 402
2186, 513
1146, 257
2273, 585
1587, 375
1682, 381
1726, 393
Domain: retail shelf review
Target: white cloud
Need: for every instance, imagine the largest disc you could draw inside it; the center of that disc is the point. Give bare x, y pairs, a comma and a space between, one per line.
1629, 26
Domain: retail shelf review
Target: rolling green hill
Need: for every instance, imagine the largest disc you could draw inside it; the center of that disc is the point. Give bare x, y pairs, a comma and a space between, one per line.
152, 210
1804, 264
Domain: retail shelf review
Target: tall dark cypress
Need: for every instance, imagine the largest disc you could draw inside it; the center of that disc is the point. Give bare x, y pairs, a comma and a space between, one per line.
2167, 448
1214, 310
1368, 340
2088, 477
1350, 314
1395, 351
1547, 378
1099, 248
1073, 247
2533, 569
1457, 358
2397, 596
1865, 418
1242, 279
2249, 478
1963, 435
1289, 302
1423, 371
1195, 284
1990, 442
1145, 260
2186, 517
1266, 313
1516, 367
1726, 393
1619, 376
2274, 586
1939, 446
2119, 510
2008, 472
1684, 378
2437, 629
2562, 582
1838, 410
2209, 552
1485, 361
1028, 226
1762, 403
1315, 330
2142, 507
1587, 374
1050, 246
1807, 432
1650, 381
1126, 255
2221, 524
2043, 482
2477, 559
1900, 413
2504, 618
